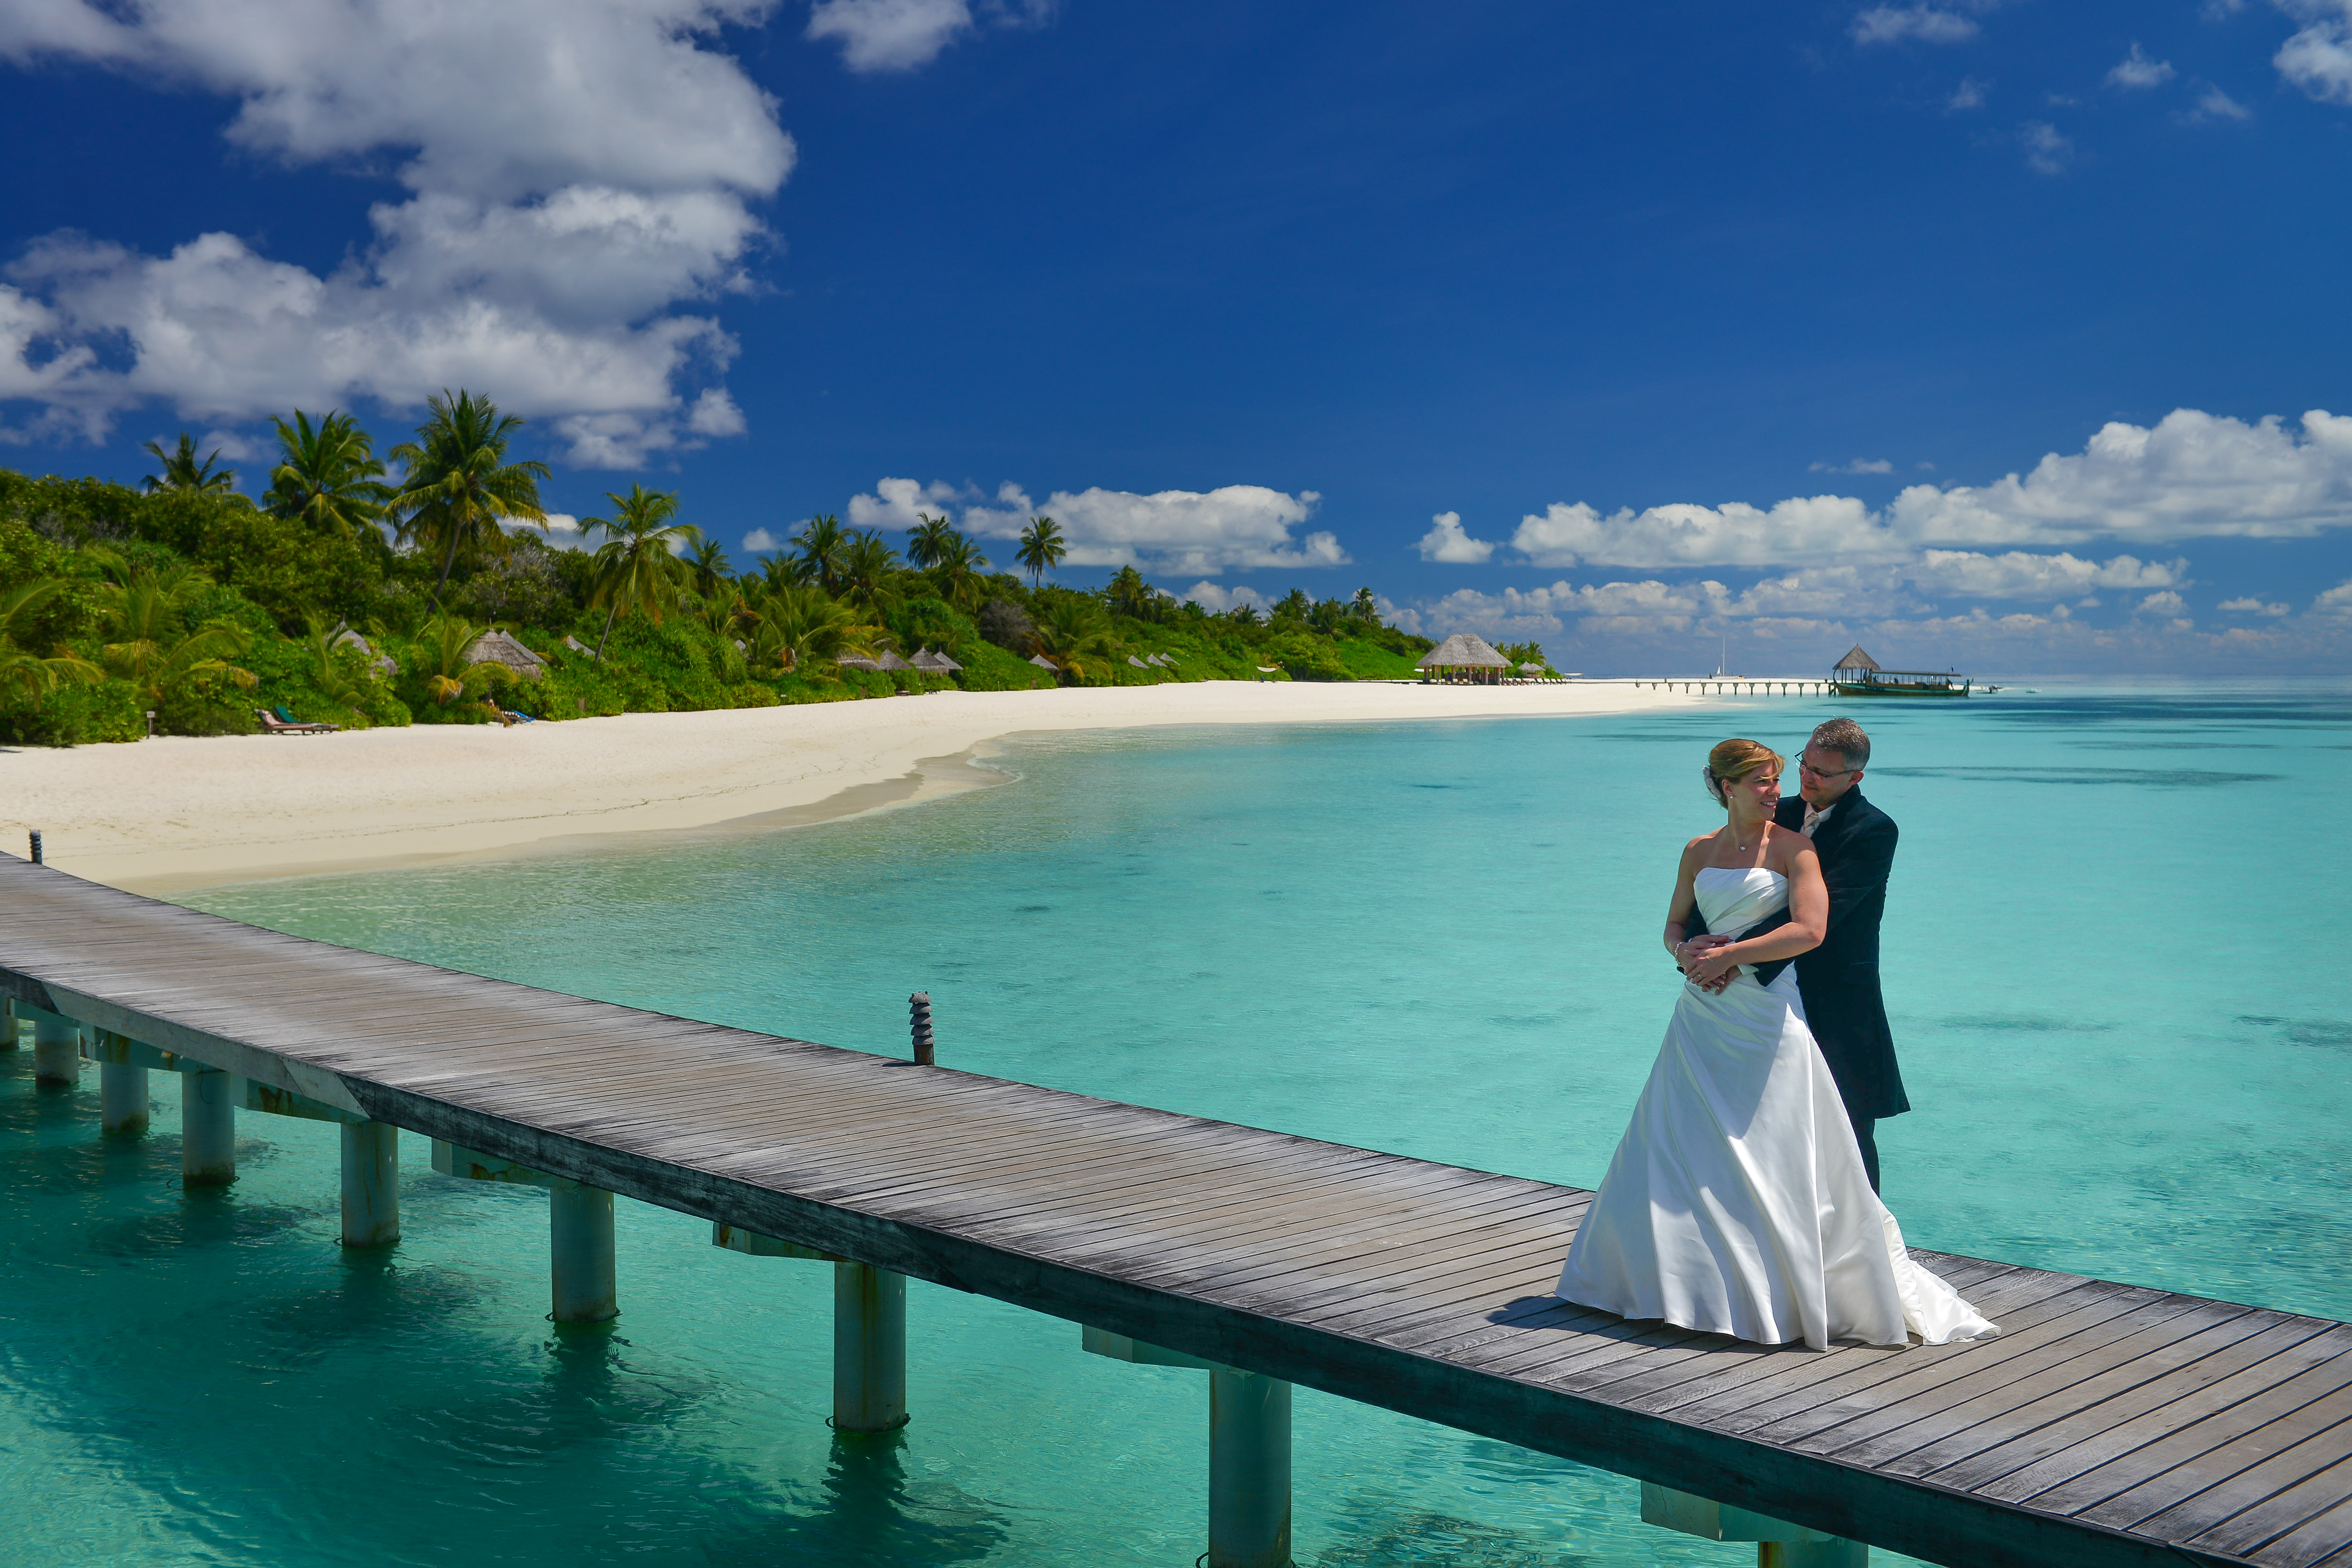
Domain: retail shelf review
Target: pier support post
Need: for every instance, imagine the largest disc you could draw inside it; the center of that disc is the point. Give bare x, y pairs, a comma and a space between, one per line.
121, 1099
371, 1183
579, 1252
1779, 1545
869, 1348
1249, 1470
57, 1049
208, 1099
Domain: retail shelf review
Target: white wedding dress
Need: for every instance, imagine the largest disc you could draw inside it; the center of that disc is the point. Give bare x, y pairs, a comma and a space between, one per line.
1737, 1203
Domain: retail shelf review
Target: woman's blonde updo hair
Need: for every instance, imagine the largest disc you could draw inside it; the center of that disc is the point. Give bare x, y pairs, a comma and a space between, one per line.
1732, 761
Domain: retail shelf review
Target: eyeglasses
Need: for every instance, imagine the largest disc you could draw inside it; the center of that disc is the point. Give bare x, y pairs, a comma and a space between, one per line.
1809, 771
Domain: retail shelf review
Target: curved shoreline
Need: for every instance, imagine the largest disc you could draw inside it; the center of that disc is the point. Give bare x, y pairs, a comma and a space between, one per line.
169, 815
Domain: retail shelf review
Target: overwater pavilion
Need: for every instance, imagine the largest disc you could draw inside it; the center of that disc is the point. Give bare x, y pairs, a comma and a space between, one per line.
1464, 656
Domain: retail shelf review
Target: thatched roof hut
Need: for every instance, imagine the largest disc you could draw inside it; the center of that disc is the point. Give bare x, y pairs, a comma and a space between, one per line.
495, 647
858, 661
1856, 664
383, 664
1466, 651
576, 645
931, 663
1041, 662
1136, 662
891, 660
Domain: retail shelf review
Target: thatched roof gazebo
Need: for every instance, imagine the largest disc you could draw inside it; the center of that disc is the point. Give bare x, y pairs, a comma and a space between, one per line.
858, 661
495, 647
1464, 656
1041, 662
891, 661
1856, 664
931, 663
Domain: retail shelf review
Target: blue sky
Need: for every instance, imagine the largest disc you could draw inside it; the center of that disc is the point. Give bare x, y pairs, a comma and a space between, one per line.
2003, 335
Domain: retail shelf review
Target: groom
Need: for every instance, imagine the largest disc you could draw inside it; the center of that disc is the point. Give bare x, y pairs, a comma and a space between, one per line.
1838, 979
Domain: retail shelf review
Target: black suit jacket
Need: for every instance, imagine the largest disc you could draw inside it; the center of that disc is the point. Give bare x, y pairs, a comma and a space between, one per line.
1838, 979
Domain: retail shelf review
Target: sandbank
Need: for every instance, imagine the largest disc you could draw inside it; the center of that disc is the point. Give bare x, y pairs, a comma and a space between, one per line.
170, 814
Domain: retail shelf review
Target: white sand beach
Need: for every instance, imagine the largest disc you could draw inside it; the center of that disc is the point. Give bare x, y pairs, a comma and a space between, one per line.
171, 814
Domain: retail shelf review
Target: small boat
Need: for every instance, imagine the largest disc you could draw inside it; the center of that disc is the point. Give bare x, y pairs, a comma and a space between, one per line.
1859, 675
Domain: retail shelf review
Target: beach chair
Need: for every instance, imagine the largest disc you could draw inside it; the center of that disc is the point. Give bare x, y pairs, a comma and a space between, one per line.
271, 724
288, 718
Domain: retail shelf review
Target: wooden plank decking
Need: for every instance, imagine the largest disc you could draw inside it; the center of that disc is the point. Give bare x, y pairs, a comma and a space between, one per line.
2109, 1424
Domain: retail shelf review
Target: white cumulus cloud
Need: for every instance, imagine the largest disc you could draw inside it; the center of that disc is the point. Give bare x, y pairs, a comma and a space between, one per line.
576, 171
1204, 533
2318, 59
2047, 150
761, 539
2213, 104
2252, 606
1447, 541
902, 503
1905, 24
2136, 71
1216, 598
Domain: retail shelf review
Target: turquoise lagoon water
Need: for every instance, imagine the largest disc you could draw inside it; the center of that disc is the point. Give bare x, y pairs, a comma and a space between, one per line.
2111, 965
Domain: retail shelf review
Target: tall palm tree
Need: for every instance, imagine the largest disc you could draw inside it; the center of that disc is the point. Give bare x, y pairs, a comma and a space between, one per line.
706, 563
817, 549
927, 540
956, 572
327, 475
21, 670
459, 487
1364, 607
182, 471
868, 565
1042, 548
637, 567
1128, 593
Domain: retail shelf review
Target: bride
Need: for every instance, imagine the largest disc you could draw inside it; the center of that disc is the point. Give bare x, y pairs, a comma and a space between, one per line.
1737, 1203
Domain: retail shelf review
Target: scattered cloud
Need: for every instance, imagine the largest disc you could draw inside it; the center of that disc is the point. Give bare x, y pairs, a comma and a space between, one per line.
889, 34
2167, 602
1970, 94
1216, 598
2213, 104
2251, 606
2136, 71
2018, 574
2337, 601
1911, 24
1232, 528
1446, 541
1859, 466
562, 522
2046, 150
2318, 59
575, 171
760, 540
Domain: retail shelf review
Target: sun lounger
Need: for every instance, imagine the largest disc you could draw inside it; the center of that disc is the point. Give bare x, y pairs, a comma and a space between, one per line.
279, 709
271, 724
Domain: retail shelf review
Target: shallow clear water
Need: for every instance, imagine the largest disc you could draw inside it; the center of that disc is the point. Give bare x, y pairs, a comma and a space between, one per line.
2107, 965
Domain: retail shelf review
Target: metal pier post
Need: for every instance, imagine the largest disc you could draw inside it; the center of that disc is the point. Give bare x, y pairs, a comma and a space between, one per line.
371, 1183
121, 1099
57, 1049
579, 1252
869, 1348
1249, 1470
208, 1099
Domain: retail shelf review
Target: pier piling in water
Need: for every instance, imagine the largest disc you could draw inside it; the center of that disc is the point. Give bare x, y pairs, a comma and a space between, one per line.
208, 1099
57, 1049
869, 1348
579, 1252
371, 1183
121, 1099
1249, 1452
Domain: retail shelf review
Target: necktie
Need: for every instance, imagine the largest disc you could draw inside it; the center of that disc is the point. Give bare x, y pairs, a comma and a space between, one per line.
1813, 817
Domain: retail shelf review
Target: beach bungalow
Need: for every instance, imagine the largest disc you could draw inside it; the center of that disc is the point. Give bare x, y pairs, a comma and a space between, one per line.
1041, 662
495, 647
383, 664
859, 661
931, 663
1464, 656
891, 661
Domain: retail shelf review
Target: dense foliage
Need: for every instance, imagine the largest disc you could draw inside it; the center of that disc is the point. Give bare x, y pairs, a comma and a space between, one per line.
188, 606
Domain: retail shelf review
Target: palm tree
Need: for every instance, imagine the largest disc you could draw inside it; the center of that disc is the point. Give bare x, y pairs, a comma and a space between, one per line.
183, 472
817, 549
1364, 607
442, 647
1128, 593
1042, 548
146, 612
23, 670
707, 561
798, 625
1070, 634
927, 543
459, 485
956, 572
636, 568
331, 667
328, 475
1294, 606
868, 565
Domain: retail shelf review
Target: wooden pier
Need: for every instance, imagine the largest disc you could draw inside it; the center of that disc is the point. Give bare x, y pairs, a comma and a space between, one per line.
2109, 1424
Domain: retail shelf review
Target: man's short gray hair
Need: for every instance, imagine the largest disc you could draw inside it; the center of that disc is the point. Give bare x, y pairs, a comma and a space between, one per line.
1844, 737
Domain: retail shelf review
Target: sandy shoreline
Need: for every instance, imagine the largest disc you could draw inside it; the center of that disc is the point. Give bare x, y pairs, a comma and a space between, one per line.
166, 815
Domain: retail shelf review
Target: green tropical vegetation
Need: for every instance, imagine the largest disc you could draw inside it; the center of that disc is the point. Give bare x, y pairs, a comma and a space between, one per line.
360, 591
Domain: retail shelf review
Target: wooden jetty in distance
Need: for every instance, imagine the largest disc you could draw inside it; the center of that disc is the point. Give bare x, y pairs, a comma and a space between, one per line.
2109, 1424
